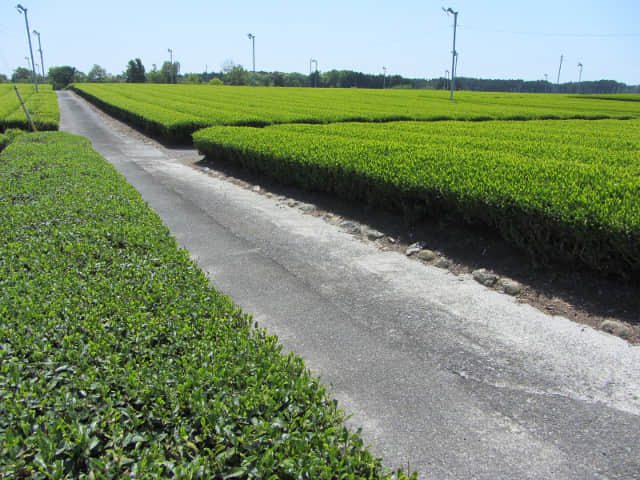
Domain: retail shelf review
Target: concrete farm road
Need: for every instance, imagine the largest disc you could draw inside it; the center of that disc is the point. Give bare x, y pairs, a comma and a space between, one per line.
444, 376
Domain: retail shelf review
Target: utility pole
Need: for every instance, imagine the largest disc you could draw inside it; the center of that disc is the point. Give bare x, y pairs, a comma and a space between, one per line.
579, 76
21, 9
560, 68
170, 65
40, 50
315, 77
252, 37
384, 78
546, 82
453, 53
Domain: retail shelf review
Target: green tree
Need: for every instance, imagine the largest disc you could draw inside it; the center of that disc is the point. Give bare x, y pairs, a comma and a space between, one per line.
155, 75
192, 78
22, 75
135, 71
235, 74
3, 78
295, 80
170, 72
60, 77
97, 74
80, 77
277, 79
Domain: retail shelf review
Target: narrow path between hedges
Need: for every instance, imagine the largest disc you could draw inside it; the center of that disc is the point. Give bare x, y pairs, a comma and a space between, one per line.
443, 375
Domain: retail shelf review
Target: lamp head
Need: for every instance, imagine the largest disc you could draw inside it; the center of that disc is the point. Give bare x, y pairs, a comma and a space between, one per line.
251, 35
21, 9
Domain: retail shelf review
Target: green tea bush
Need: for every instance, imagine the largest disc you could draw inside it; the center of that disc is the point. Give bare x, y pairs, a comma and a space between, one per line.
174, 112
118, 360
561, 190
9, 136
43, 107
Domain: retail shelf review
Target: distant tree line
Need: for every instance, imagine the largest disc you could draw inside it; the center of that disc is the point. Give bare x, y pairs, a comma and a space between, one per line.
234, 74
537, 86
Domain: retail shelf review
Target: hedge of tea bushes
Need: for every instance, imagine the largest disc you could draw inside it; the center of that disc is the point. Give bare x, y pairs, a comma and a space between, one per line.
117, 358
174, 112
42, 106
561, 190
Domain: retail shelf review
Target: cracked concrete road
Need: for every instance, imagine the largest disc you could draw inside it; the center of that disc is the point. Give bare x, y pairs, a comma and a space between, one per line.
444, 376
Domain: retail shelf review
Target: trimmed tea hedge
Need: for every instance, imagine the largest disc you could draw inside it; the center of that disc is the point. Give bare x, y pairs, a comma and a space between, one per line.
117, 359
42, 106
565, 190
174, 112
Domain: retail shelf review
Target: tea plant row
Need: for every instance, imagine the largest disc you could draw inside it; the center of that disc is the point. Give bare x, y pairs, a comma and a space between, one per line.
566, 190
176, 111
42, 106
118, 360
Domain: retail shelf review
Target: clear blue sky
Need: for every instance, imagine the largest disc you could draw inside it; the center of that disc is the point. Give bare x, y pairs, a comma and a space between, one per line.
496, 39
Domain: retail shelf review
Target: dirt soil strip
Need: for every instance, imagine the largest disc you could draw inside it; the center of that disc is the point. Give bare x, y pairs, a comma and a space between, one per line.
443, 374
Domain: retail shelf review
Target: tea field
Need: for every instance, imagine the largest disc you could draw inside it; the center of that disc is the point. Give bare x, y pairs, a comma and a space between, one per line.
562, 190
556, 175
43, 107
176, 111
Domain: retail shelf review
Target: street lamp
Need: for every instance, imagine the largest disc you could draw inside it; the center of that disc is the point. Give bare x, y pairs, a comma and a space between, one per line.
454, 54
40, 50
315, 78
21, 9
579, 76
384, 78
170, 65
546, 82
252, 37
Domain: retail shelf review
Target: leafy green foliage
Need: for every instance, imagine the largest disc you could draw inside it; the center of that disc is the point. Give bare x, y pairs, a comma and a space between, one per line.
9, 136
61, 77
176, 111
117, 359
565, 190
135, 72
43, 107
22, 75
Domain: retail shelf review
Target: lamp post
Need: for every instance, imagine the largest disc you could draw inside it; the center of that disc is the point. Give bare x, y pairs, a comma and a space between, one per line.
384, 78
315, 78
252, 37
21, 9
40, 50
453, 53
546, 82
579, 76
170, 65
446, 77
